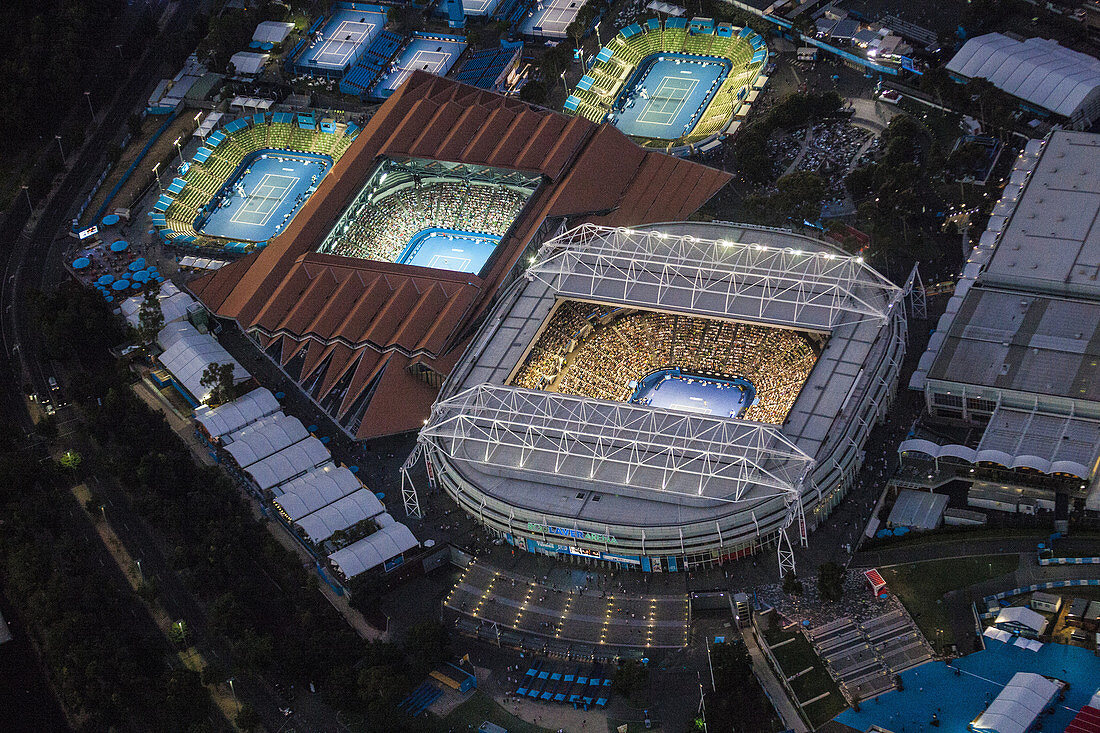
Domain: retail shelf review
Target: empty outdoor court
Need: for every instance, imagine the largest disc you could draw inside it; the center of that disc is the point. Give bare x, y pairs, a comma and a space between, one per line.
669, 96
262, 199
343, 38
436, 56
449, 249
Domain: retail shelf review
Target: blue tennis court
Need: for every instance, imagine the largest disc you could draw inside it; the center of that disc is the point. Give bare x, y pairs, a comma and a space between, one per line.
673, 390
448, 249
263, 196
346, 34
433, 54
959, 698
667, 95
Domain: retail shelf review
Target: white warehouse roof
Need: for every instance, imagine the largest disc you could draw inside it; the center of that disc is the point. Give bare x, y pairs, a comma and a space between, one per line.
1022, 615
1037, 70
340, 514
288, 463
187, 353
1018, 705
264, 438
315, 489
372, 551
233, 416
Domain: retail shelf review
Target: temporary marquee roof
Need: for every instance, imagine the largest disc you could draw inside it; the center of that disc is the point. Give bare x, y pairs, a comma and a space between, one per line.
340, 514
288, 463
189, 352
234, 415
174, 304
372, 551
248, 63
315, 489
272, 31
918, 509
1037, 70
1018, 705
1023, 616
264, 438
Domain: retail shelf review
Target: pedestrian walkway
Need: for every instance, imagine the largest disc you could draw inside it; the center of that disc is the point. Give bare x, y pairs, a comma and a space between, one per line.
773, 689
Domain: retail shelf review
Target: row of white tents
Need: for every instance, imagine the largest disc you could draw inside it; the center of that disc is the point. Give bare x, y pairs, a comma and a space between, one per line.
281, 458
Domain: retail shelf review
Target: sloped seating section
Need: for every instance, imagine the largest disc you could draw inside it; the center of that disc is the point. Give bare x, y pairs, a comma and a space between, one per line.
210, 170
595, 98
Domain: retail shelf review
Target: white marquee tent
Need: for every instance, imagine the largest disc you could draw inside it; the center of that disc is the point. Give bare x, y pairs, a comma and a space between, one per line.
264, 438
233, 416
340, 514
187, 353
315, 489
1018, 705
370, 552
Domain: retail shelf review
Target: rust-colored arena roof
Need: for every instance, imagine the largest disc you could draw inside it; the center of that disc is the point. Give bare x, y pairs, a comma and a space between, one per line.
371, 325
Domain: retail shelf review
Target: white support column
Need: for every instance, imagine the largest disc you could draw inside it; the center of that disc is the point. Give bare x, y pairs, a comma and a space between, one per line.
785, 553
409, 496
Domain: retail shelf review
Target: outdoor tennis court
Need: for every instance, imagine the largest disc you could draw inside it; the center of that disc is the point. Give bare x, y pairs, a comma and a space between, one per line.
339, 43
433, 55
258, 202
668, 96
448, 249
550, 18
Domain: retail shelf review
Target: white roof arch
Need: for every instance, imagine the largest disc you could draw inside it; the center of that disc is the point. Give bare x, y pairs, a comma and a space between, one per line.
810, 289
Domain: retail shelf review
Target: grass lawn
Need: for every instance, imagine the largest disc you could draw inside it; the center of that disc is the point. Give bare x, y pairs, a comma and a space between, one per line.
797, 655
921, 587
479, 708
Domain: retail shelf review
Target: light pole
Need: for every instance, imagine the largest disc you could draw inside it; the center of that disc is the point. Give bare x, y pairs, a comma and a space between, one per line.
27, 193
58, 138
140, 573
179, 150
563, 84
156, 172
118, 47
234, 691
88, 98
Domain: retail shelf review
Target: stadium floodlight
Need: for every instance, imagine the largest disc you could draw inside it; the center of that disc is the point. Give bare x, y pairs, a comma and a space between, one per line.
179, 150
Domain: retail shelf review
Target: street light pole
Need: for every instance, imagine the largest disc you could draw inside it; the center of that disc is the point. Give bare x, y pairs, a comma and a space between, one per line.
563, 84
156, 172
58, 138
179, 150
88, 97
27, 193
234, 691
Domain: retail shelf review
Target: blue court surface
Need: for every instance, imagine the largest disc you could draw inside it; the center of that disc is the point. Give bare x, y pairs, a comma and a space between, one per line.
342, 39
667, 95
434, 55
447, 249
672, 390
263, 195
957, 699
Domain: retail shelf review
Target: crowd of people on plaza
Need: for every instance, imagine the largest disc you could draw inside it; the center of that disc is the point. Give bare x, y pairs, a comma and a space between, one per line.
381, 228
579, 355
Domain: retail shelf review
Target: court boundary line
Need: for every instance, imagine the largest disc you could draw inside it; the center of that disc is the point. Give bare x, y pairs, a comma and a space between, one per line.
679, 107
267, 216
334, 38
403, 71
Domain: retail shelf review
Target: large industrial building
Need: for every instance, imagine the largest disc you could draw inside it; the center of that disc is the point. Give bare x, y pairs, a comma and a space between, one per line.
373, 290
670, 396
1011, 376
1045, 76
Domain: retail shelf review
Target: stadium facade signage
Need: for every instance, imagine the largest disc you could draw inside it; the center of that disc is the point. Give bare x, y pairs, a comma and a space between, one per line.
571, 533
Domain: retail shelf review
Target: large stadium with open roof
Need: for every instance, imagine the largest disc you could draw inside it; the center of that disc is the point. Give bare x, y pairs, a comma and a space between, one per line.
674, 86
668, 397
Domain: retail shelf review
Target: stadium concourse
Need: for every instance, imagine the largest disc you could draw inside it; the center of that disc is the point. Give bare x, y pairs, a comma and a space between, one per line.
534, 436
370, 294
582, 622
674, 86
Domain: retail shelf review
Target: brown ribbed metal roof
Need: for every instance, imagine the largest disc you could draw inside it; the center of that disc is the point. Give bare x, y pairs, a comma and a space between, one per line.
375, 318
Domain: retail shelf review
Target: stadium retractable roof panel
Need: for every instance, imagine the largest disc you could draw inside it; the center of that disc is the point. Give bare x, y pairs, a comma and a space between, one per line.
623, 448
726, 279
